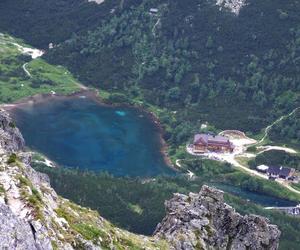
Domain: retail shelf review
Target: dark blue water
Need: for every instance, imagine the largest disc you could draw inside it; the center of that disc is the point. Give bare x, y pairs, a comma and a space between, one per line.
82, 133
261, 199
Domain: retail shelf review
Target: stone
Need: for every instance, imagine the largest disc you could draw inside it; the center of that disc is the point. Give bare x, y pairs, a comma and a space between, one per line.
11, 139
204, 221
234, 6
14, 232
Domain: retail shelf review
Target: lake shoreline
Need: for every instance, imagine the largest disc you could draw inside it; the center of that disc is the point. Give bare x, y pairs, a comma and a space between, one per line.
94, 95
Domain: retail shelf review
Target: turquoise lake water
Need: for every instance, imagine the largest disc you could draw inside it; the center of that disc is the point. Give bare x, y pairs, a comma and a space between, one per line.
82, 133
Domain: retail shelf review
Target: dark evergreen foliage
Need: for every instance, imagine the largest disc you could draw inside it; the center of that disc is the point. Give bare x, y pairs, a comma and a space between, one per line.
276, 158
288, 130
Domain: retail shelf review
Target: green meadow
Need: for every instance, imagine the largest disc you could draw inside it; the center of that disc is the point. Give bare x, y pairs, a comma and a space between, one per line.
41, 77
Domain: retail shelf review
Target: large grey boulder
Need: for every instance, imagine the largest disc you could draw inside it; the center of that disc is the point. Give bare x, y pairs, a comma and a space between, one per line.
15, 232
205, 221
11, 138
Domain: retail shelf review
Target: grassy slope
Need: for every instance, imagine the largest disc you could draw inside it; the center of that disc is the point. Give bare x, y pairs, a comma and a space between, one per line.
16, 84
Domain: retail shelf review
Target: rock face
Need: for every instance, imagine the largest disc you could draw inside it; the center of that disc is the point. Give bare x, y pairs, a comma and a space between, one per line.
97, 1
204, 221
15, 233
11, 138
233, 5
19, 206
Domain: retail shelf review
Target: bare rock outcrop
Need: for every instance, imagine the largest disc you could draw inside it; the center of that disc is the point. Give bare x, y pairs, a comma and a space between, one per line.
205, 221
233, 5
11, 138
15, 233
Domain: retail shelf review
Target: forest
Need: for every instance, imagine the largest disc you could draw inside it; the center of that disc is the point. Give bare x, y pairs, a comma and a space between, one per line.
287, 131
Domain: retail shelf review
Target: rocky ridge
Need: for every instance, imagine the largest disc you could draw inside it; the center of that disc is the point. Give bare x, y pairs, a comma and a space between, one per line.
205, 221
33, 216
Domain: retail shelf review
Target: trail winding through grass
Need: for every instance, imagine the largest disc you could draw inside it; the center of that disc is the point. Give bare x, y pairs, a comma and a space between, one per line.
25, 70
268, 128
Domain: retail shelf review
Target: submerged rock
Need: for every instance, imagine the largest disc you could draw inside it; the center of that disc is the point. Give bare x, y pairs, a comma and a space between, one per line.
205, 221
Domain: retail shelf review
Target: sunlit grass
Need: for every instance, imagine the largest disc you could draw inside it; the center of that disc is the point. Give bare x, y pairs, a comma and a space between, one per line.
15, 84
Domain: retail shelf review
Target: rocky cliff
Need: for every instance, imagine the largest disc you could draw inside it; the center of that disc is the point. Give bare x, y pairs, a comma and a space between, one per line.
205, 221
33, 216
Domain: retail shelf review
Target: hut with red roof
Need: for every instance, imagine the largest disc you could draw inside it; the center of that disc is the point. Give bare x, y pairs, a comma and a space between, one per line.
204, 143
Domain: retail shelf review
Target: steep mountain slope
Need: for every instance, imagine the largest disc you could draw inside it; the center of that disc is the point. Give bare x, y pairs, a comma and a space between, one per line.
42, 22
195, 59
233, 64
33, 216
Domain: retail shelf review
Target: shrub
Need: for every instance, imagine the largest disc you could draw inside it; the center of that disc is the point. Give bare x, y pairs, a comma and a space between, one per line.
24, 181
12, 158
12, 124
89, 232
2, 190
251, 149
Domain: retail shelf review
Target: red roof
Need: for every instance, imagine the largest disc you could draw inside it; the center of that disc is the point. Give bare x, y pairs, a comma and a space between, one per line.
206, 139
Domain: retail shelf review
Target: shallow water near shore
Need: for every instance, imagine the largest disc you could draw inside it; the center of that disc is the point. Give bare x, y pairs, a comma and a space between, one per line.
81, 133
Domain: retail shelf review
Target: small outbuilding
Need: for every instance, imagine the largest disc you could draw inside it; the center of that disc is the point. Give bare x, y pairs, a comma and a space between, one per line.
153, 11
280, 172
262, 168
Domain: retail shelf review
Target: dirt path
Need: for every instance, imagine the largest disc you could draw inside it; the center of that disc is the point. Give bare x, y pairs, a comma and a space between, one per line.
154, 27
25, 70
267, 129
230, 158
268, 148
287, 186
190, 174
81, 86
